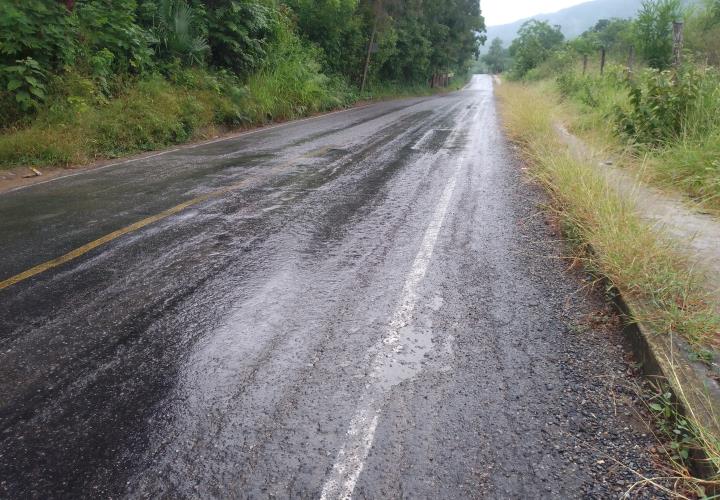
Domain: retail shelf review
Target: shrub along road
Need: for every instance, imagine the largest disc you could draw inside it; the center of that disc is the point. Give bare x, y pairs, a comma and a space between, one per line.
364, 303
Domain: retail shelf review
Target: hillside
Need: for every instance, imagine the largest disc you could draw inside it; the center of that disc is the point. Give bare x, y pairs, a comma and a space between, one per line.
573, 20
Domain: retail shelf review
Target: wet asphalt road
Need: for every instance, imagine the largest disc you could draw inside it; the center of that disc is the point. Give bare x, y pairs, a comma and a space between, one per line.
375, 307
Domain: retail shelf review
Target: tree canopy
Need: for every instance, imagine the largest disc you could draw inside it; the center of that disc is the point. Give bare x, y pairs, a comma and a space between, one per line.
654, 31
104, 39
497, 57
535, 43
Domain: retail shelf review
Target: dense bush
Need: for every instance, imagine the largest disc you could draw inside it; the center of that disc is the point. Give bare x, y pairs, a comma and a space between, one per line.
579, 87
660, 104
535, 44
88, 78
179, 32
111, 25
239, 33
669, 117
654, 31
37, 29
36, 38
702, 35
114, 42
340, 28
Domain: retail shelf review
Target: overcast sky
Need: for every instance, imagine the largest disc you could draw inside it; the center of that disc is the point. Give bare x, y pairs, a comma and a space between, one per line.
507, 11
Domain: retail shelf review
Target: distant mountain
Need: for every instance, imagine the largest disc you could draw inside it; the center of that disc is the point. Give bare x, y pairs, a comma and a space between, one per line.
573, 20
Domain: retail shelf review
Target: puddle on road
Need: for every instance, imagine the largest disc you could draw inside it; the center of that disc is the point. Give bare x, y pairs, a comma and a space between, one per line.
417, 348
405, 360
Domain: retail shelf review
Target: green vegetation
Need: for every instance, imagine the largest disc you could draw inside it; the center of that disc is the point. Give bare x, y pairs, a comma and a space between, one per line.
669, 119
87, 79
654, 31
641, 262
702, 36
667, 116
683, 436
536, 42
497, 59
620, 87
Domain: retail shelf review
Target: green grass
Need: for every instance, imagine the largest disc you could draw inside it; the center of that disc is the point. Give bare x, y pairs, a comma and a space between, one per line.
391, 90
642, 262
79, 125
688, 163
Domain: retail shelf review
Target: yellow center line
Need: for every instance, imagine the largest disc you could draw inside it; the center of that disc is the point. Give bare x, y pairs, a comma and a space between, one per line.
74, 254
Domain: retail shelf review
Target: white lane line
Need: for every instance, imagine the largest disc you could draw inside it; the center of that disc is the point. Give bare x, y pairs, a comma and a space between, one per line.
350, 460
422, 140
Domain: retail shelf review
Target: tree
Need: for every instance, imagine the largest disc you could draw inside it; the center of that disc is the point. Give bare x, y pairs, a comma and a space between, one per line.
497, 57
614, 34
535, 43
339, 28
456, 30
702, 32
178, 32
653, 31
413, 39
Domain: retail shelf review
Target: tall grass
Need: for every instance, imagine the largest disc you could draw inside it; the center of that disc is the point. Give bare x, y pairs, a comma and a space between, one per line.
688, 160
639, 260
664, 291
147, 114
291, 83
77, 127
81, 122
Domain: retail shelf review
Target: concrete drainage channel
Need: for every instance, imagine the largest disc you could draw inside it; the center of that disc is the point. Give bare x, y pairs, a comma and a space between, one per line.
694, 384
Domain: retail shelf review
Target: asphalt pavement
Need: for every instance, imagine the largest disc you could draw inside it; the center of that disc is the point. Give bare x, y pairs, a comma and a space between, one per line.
366, 304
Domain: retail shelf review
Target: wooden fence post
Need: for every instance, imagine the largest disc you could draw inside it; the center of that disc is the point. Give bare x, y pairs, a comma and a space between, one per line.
677, 43
585, 58
602, 60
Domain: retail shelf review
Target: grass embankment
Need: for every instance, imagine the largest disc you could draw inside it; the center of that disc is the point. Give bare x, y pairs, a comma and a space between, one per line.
79, 125
685, 159
644, 264
613, 242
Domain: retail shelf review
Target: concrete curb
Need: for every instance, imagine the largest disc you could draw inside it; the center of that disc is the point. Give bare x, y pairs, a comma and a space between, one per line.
695, 386
667, 357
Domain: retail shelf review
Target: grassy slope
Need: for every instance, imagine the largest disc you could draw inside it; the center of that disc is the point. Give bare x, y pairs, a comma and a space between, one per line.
613, 242
689, 164
77, 127
639, 260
